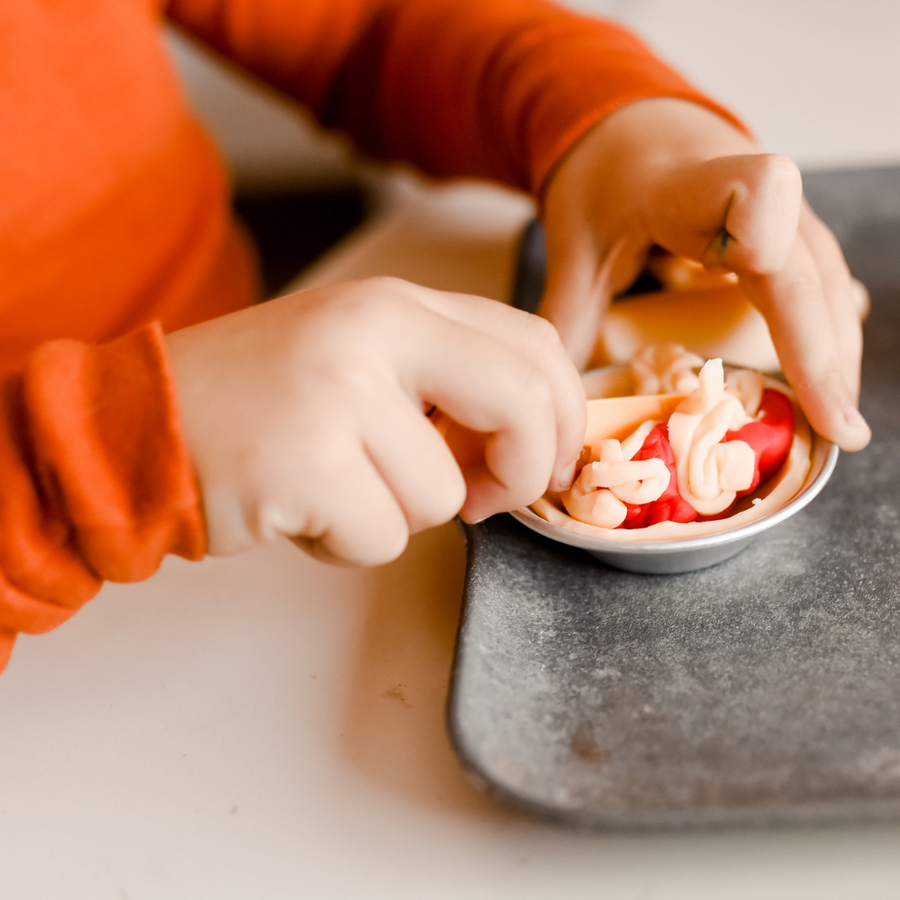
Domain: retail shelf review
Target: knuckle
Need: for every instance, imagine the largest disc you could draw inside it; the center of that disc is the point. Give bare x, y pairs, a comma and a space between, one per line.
377, 293
388, 547
390, 289
536, 389
543, 333
781, 170
373, 304
384, 282
374, 544
861, 300
321, 464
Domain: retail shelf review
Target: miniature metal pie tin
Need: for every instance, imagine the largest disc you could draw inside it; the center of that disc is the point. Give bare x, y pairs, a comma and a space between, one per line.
673, 556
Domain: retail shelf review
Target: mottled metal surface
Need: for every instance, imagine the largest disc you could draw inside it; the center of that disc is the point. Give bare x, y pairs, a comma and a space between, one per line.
765, 689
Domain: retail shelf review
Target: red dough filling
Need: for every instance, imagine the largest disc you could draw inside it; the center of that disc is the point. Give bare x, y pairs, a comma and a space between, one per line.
670, 506
770, 439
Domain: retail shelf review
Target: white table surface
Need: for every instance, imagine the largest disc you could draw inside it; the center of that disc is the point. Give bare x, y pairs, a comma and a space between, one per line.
269, 727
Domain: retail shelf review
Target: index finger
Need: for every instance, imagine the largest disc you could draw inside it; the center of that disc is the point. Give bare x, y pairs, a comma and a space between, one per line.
537, 341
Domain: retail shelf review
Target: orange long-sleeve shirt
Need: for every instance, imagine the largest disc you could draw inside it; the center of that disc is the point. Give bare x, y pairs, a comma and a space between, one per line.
114, 214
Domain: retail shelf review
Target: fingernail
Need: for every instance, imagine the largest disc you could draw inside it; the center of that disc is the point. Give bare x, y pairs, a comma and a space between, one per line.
853, 417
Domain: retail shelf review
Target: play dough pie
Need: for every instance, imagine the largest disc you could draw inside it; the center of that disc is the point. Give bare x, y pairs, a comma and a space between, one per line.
683, 454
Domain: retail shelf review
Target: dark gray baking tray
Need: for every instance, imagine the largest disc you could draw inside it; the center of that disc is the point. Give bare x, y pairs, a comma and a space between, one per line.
765, 689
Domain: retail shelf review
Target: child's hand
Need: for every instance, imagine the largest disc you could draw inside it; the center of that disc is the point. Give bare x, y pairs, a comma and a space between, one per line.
306, 416
671, 173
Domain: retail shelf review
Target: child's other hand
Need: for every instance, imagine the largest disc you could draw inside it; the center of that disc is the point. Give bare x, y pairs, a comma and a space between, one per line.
306, 416
671, 173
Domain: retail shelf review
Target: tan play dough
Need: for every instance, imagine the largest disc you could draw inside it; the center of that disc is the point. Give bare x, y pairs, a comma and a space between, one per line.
623, 479
712, 322
618, 417
665, 369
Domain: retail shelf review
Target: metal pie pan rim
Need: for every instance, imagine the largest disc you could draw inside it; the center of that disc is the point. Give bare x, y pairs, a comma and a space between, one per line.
809, 492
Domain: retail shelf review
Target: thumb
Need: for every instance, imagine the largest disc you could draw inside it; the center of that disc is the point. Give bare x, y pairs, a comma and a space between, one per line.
581, 280
734, 212
573, 300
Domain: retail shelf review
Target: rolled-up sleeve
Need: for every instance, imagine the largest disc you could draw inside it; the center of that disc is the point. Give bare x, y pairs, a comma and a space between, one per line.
97, 481
498, 89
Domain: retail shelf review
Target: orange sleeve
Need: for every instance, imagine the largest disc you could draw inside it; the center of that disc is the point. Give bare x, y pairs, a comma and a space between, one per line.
97, 482
491, 88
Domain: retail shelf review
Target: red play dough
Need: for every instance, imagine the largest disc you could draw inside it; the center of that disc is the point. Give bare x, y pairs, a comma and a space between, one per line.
770, 437
670, 506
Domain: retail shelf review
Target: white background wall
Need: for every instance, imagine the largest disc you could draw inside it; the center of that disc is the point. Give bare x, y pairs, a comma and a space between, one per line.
818, 80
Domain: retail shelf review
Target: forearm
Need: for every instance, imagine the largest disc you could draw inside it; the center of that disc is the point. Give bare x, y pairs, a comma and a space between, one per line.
457, 87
